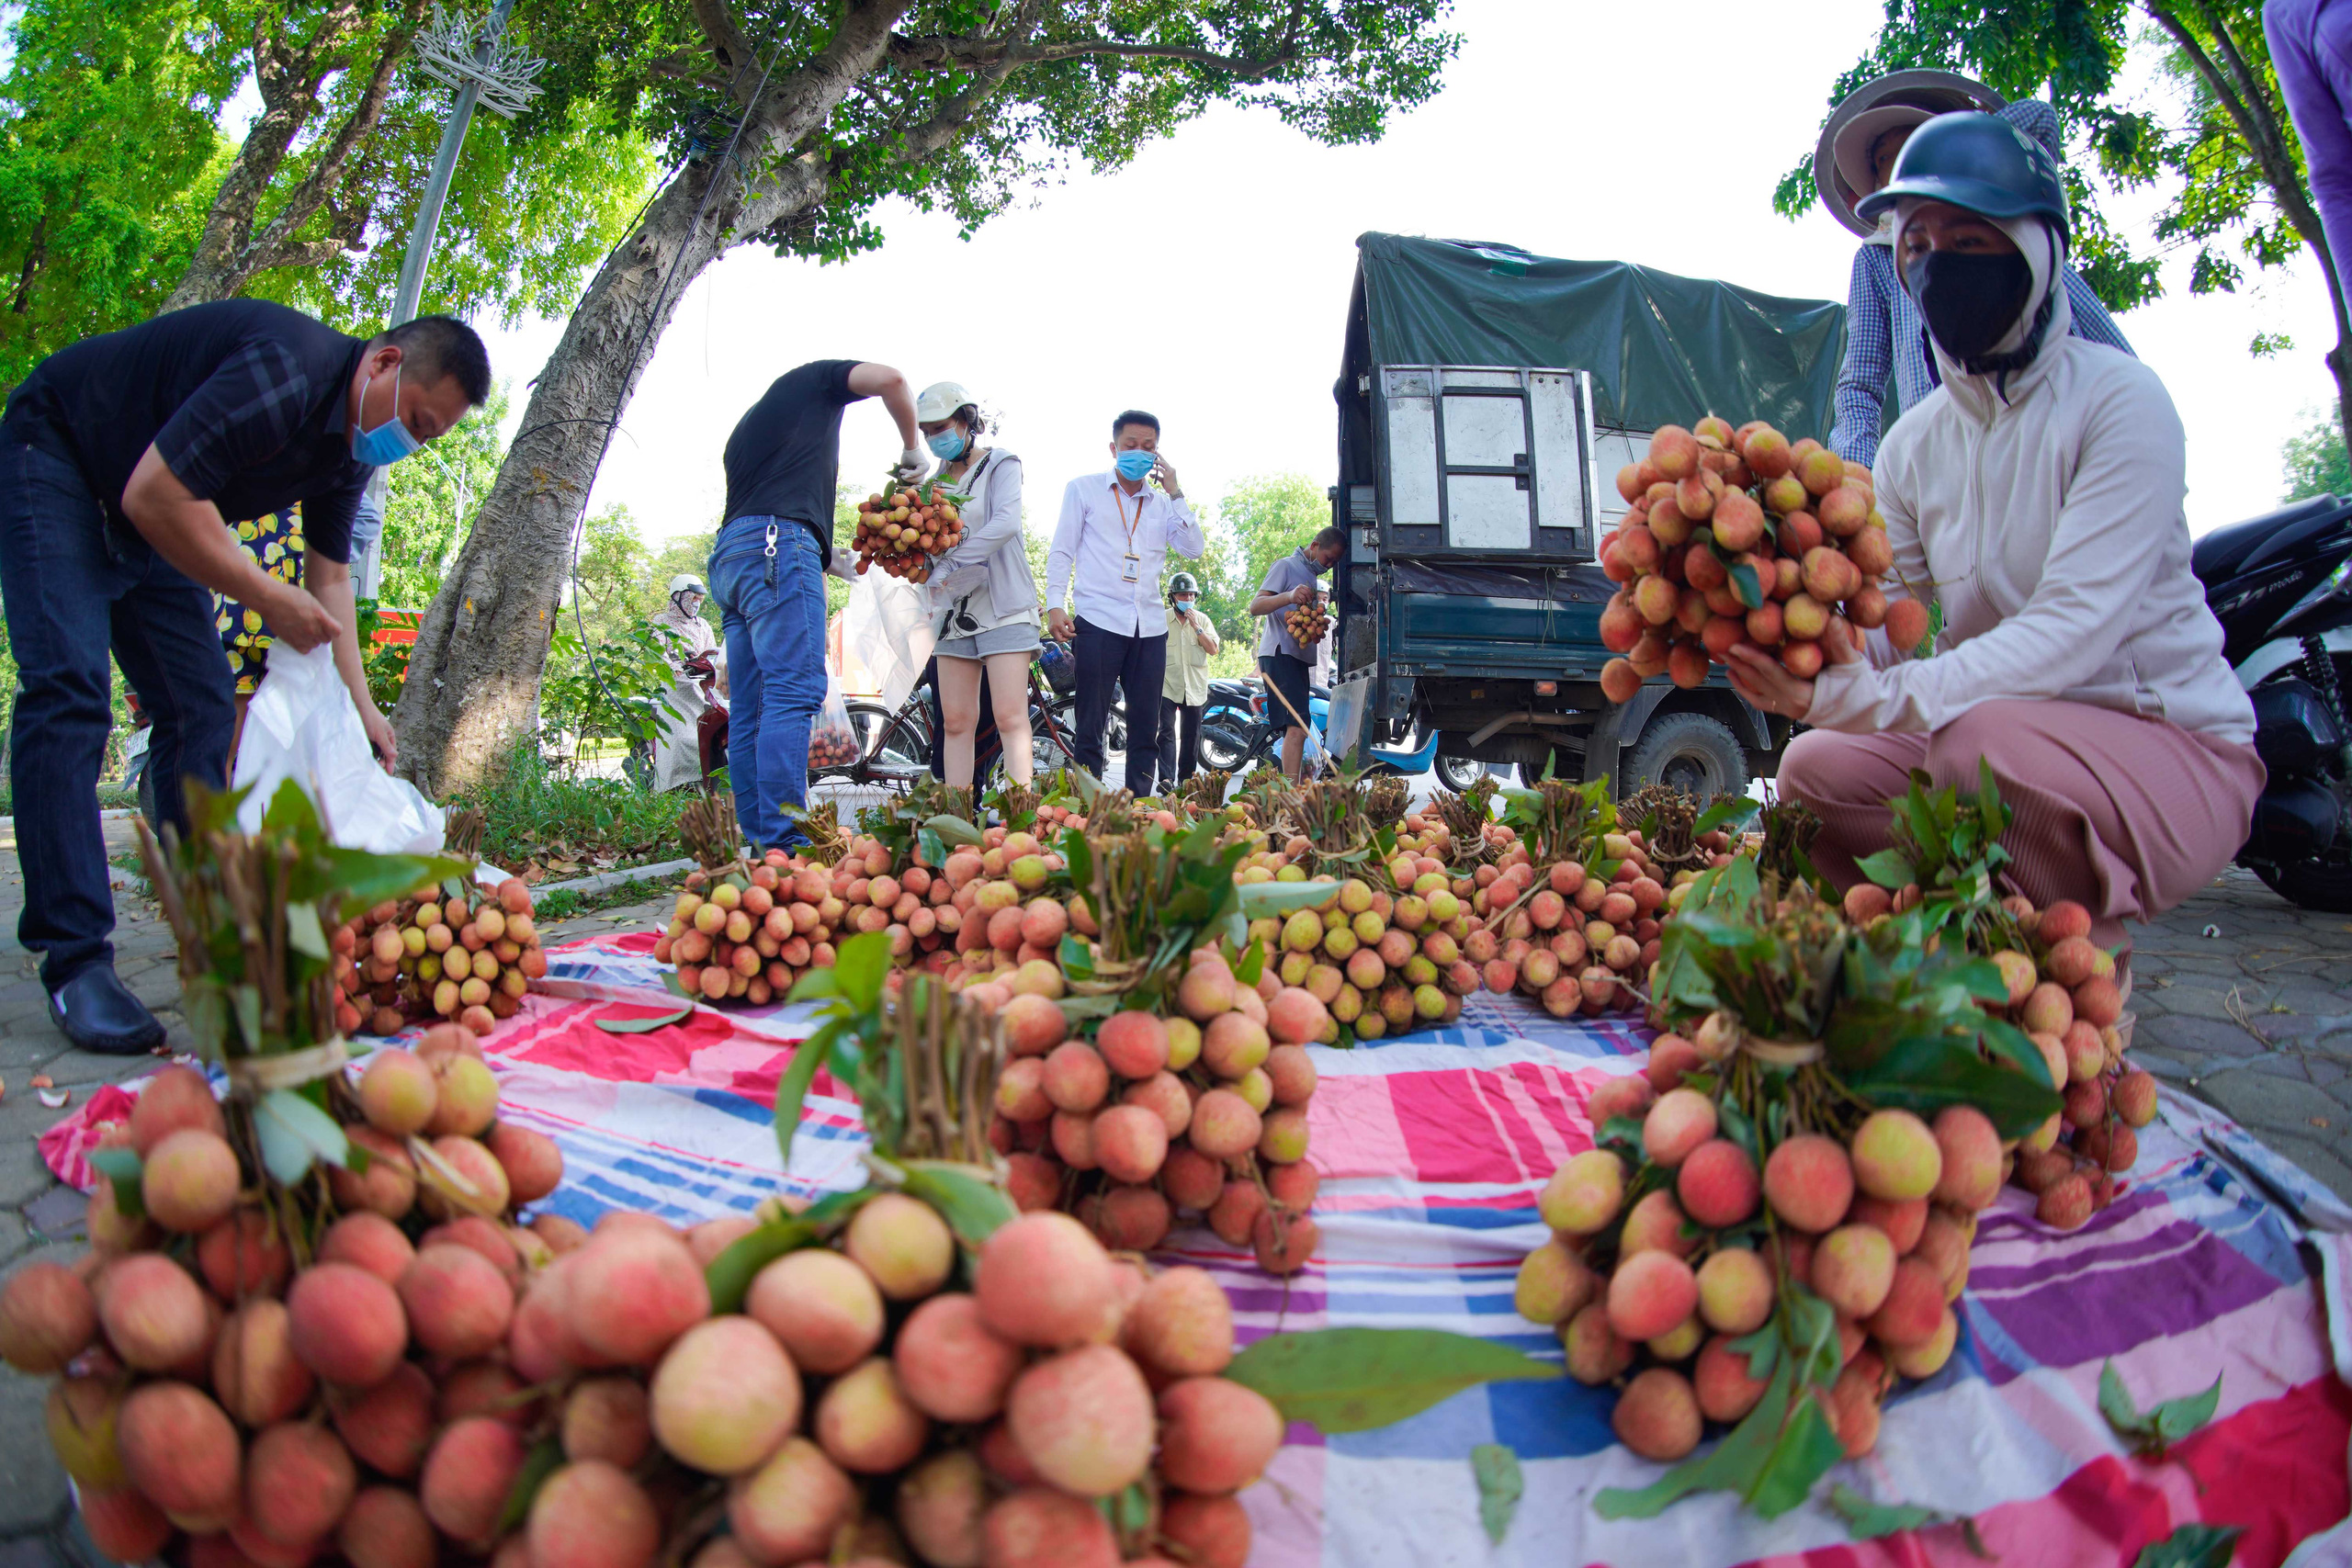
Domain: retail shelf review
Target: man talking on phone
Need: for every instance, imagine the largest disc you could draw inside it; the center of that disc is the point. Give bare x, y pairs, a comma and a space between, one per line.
1114, 534
121, 458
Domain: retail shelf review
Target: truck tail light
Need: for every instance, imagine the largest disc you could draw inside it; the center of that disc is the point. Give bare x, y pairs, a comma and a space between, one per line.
1547, 688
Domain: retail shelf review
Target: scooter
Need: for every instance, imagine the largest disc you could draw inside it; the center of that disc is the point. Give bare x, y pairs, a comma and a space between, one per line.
2279, 585
1236, 732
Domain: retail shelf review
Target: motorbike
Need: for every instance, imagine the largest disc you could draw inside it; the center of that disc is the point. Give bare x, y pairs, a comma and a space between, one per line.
2278, 584
1236, 733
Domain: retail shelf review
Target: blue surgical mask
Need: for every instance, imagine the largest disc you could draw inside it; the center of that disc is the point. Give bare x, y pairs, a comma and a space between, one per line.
948, 445
1135, 463
1186, 605
389, 442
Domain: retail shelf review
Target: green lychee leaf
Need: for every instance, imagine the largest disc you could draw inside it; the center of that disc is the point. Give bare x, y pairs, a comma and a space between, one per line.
2192, 1546
1747, 585
1732, 1465
295, 1134
646, 1024
1888, 869
1355, 1380
122, 1167
1866, 1520
967, 1197
730, 1274
1500, 1486
1806, 1449
544, 1459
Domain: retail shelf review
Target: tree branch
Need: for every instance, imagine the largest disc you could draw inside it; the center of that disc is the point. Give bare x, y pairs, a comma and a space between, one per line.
730, 46
320, 184
935, 53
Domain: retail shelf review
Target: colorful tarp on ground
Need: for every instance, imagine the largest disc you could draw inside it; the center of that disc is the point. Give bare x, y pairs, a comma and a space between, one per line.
2217, 1258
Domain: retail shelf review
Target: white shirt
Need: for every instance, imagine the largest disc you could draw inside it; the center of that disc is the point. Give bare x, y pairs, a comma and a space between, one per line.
1094, 534
2047, 517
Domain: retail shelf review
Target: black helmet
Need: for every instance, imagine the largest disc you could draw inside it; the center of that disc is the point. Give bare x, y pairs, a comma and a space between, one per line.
1979, 161
1182, 583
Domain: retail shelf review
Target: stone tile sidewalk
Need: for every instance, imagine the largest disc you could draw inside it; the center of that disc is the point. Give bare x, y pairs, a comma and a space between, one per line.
2241, 999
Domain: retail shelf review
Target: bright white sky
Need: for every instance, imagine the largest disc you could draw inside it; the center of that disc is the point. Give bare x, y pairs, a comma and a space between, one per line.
1207, 281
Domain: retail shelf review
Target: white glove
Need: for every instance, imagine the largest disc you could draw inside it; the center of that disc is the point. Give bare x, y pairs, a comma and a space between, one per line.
910, 467
839, 566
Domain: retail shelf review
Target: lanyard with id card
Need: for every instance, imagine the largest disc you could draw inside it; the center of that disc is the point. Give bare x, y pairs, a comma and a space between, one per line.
1133, 561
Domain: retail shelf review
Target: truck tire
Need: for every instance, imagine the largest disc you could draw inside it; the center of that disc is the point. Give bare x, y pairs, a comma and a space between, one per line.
1697, 755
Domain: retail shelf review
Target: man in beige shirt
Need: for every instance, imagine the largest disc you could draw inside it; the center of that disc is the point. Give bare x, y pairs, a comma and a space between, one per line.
1184, 690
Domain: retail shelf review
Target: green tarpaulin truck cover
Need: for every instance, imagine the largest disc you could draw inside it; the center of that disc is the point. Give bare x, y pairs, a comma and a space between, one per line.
1661, 349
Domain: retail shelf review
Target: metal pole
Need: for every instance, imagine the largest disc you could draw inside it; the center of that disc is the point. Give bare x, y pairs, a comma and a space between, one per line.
370, 567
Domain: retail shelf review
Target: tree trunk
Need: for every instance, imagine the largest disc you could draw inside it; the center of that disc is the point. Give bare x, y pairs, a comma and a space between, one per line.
473, 681
473, 676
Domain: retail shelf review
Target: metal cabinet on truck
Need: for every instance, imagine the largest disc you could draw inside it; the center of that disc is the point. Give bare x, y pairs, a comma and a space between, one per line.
1486, 400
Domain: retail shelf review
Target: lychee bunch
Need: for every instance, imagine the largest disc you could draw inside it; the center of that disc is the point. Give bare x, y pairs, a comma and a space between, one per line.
1878, 1226
385, 1403
1739, 537
1204, 1111
467, 955
905, 529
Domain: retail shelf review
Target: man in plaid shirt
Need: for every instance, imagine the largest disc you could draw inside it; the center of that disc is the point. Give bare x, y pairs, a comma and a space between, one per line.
1883, 332
122, 457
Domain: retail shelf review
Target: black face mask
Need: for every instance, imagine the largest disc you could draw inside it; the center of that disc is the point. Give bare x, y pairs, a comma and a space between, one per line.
1969, 300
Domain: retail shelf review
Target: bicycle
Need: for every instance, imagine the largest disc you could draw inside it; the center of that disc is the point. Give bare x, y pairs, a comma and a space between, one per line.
896, 745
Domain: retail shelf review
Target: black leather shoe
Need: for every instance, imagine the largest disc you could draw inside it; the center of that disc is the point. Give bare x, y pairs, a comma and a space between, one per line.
98, 1013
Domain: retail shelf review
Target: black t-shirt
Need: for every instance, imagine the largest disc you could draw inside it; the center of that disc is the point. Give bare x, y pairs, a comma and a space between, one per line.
242, 399
784, 458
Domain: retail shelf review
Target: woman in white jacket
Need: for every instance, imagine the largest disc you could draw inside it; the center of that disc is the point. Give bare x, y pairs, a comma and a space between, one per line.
983, 600
2036, 496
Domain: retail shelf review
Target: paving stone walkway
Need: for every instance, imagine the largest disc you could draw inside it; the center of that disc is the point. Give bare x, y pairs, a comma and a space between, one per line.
2241, 999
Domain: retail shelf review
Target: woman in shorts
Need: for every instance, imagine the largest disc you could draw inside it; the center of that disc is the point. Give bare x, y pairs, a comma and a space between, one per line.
984, 601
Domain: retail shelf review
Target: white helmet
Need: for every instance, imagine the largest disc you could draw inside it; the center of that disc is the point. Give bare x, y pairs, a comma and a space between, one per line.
940, 400
686, 583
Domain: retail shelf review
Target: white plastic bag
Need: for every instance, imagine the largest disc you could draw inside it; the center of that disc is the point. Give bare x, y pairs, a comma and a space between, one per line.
300, 725
886, 626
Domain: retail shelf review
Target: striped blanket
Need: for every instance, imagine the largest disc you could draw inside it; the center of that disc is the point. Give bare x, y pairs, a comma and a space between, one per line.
2218, 1257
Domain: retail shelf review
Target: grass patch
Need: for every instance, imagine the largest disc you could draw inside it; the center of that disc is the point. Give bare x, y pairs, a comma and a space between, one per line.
111, 797
565, 903
565, 825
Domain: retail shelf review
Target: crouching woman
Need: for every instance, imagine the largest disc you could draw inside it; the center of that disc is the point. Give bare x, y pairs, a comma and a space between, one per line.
2036, 496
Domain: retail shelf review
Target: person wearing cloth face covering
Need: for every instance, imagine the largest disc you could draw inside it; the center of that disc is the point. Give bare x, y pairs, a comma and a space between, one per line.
694, 653
984, 602
1884, 335
1184, 694
2036, 494
122, 460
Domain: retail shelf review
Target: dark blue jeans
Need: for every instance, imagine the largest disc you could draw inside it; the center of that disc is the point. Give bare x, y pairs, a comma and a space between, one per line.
767, 578
75, 590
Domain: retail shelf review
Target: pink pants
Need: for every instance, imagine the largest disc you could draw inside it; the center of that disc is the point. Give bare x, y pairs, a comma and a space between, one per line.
2127, 815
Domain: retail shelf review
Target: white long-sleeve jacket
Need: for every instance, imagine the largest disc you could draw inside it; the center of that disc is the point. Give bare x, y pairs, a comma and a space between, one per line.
2046, 516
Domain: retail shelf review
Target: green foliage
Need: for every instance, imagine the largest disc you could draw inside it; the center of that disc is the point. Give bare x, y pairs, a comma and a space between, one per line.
539, 814
112, 153
2315, 461
1949, 847
385, 663
2216, 190
532, 204
430, 504
1099, 85
622, 692
1261, 519
107, 151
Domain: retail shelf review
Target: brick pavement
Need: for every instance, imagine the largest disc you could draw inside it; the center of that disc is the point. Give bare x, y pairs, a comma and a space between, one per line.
2241, 999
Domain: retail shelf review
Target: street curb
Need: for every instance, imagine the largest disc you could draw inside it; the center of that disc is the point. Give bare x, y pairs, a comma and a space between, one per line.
604, 879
